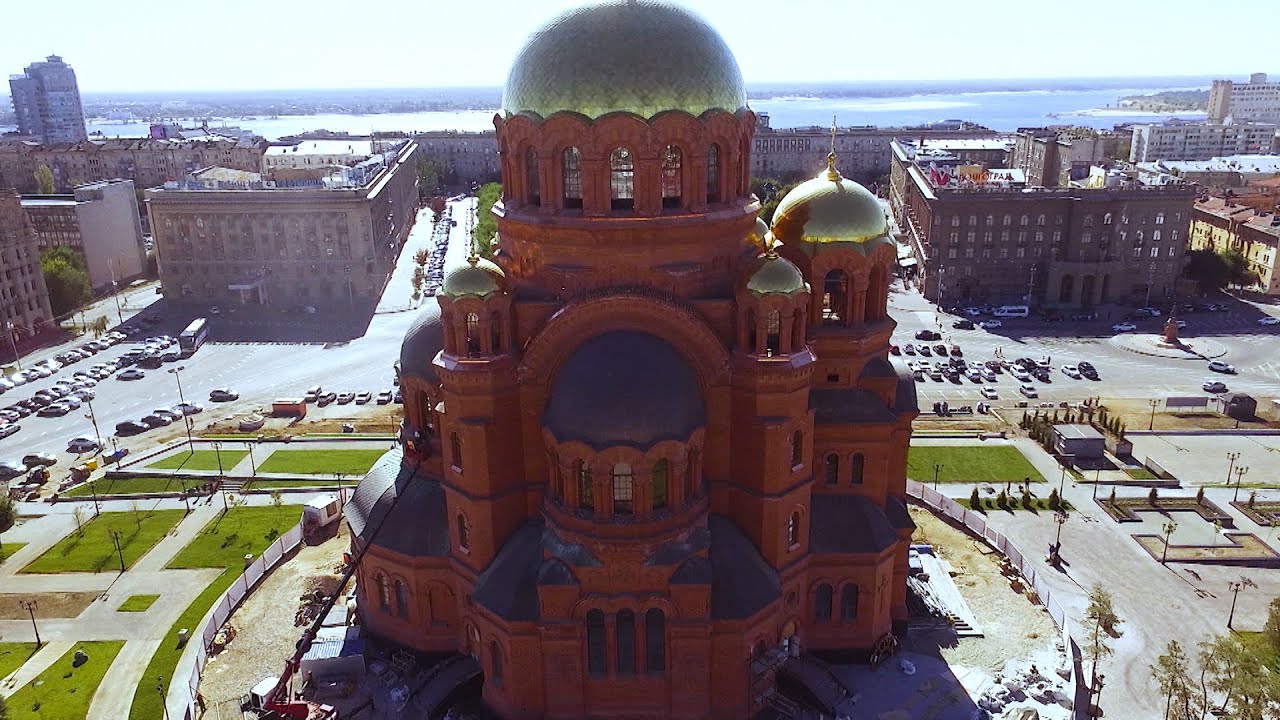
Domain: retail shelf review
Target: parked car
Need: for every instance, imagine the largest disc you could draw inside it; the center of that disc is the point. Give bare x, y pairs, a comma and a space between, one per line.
130, 427
82, 445
925, 351
39, 458
1214, 386
1028, 390
8, 429
384, 397
990, 393
346, 398
364, 397
928, 335
1221, 367
1071, 371
909, 349
131, 374
11, 469
1269, 320
223, 395
963, 324
54, 410
940, 350
990, 324
893, 350
1020, 374
188, 408
167, 413
1123, 327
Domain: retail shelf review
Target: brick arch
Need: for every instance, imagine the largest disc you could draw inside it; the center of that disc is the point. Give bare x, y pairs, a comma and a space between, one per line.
612, 604
583, 319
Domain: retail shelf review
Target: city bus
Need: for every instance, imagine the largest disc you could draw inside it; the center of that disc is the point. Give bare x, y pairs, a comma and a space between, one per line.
193, 337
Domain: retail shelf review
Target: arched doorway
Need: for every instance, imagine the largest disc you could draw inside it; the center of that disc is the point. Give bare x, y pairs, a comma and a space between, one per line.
1066, 288
1086, 290
1105, 296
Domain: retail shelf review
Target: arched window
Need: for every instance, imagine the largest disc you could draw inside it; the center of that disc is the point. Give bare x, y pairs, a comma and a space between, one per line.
473, 642
773, 333
1040, 220
1024, 220
473, 334
495, 660
822, 604
495, 334
582, 471
751, 331
384, 593
571, 178
793, 529
531, 176
1106, 219
464, 535
402, 599
595, 642
797, 448
713, 174
1008, 220
455, 451
856, 465
835, 298
622, 171
655, 641
622, 489
658, 476
625, 629
849, 603
831, 468
672, 183
990, 220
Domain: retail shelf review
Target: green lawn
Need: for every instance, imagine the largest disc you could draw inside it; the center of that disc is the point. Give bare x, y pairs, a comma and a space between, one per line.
320, 462
200, 460
970, 463
64, 691
13, 655
91, 550
137, 603
8, 549
129, 486
1140, 474
223, 543
320, 482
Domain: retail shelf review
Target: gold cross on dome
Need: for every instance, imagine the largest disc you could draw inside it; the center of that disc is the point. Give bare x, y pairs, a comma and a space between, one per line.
833, 134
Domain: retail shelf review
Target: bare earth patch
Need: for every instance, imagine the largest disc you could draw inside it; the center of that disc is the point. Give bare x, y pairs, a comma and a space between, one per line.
265, 631
48, 605
1013, 626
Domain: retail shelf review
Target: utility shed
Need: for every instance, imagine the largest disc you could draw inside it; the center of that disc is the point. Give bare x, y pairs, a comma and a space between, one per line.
1082, 441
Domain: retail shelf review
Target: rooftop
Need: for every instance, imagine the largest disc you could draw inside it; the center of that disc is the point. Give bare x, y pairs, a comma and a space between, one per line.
355, 148
1263, 164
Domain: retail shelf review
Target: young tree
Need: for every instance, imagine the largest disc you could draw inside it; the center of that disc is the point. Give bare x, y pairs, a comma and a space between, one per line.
420, 257
78, 515
66, 278
1231, 671
1172, 676
44, 179
8, 515
1271, 630
419, 279
975, 500
1153, 497
1101, 610
1055, 502
99, 326
277, 500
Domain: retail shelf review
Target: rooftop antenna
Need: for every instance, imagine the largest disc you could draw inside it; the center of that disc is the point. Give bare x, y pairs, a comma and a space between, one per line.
832, 174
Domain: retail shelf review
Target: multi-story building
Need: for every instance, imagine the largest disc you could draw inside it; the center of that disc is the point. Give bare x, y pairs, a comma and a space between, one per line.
1054, 157
24, 299
1220, 224
1218, 172
1178, 140
862, 151
317, 155
230, 237
980, 239
467, 157
648, 458
147, 162
1254, 101
100, 221
46, 100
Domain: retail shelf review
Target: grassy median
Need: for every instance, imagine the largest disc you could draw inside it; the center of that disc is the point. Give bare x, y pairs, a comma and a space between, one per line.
65, 691
970, 464
90, 548
200, 460
14, 655
320, 462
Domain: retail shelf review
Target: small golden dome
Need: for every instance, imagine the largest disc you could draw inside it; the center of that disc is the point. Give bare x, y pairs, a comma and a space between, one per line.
775, 275
829, 208
478, 278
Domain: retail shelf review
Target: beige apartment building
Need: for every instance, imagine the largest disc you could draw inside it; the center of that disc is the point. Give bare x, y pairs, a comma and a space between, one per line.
232, 238
1221, 224
24, 299
98, 220
1254, 101
147, 162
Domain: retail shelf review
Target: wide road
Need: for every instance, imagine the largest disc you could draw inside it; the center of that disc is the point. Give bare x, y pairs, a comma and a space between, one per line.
258, 371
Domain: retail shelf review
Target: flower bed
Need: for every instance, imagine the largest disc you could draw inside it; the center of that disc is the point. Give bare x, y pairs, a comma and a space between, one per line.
1126, 509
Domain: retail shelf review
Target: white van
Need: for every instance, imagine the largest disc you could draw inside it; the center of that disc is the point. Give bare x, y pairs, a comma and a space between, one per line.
1008, 311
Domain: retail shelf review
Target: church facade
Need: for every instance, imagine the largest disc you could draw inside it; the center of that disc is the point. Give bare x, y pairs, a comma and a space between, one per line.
652, 447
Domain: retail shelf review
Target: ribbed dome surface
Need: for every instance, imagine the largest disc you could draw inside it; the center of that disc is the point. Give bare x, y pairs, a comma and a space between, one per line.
776, 276
423, 341
638, 56
479, 279
829, 208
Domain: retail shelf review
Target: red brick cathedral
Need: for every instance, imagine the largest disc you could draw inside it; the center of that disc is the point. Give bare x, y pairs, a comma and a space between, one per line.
652, 438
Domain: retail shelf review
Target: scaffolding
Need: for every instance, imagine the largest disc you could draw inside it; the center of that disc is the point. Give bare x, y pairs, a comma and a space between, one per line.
763, 671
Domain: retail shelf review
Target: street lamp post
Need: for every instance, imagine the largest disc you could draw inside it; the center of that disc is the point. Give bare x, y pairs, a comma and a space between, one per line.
1062, 482
253, 468
115, 539
186, 419
30, 607
93, 418
936, 469
8, 331
1168, 529
1061, 517
1152, 422
217, 451
1240, 473
1232, 456
160, 692
1236, 586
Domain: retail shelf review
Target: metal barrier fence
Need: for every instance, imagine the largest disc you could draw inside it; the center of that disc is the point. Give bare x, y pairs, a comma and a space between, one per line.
977, 524
222, 610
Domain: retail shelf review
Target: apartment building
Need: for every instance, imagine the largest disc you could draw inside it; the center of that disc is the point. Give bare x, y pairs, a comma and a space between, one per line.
1254, 101
98, 220
24, 299
1054, 157
1177, 140
1221, 224
46, 99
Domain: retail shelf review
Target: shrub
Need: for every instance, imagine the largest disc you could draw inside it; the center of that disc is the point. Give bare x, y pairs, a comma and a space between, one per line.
975, 500
1055, 502
1026, 498
1002, 500
1200, 496
1112, 499
1153, 496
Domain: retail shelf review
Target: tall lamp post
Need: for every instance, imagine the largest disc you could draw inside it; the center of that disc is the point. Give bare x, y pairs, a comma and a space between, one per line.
1168, 529
8, 331
97, 436
30, 607
936, 469
217, 451
160, 692
186, 419
1240, 473
1232, 456
1152, 422
1236, 586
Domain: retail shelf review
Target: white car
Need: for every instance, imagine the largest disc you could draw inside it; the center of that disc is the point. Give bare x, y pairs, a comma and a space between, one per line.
990, 324
1020, 374
1214, 386
1268, 320
82, 445
990, 393
1221, 367
988, 374
1071, 371
1123, 327
1028, 390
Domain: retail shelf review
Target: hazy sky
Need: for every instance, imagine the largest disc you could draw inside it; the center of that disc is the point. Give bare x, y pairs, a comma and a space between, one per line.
267, 44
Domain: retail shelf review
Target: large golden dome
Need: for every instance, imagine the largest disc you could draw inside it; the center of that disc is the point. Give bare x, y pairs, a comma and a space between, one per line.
636, 56
829, 208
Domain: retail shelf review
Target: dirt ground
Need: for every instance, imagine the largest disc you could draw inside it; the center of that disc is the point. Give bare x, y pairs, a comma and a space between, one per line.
48, 605
264, 623
1013, 626
964, 423
384, 419
1137, 414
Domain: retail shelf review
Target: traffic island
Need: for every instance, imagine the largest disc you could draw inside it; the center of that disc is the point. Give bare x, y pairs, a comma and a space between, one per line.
1235, 549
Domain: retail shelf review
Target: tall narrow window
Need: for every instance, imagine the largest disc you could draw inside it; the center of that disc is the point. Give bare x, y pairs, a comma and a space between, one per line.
822, 604
793, 530
773, 333
672, 183
835, 298
856, 465
464, 535
531, 176
402, 599
622, 489
713, 174
384, 593
658, 477
621, 180
455, 451
583, 473
797, 448
849, 603
655, 641
595, 642
473, 334
626, 642
495, 334
495, 660
831, 469
571, 178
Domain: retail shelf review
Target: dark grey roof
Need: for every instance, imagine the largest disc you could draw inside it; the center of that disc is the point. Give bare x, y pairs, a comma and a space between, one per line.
696, 570
848, 405
742, 582
896, 512
572, 553
422, 342
904, 399
624, 388
674, 551
848, 524
508, 587
419, 524
878, 367
554, 572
